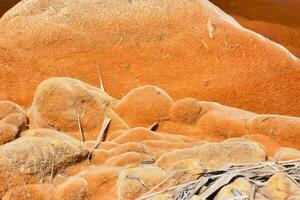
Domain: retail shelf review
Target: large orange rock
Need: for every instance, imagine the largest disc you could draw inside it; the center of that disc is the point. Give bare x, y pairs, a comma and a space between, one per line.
285, 153
31, 192
136, 181
144, 106
128, 159
13, 120
241, 185
217, 155
75, 188
213, 121
177, 45
102, 182
280, 187
60, 103
37, 156
160, 147
270, 143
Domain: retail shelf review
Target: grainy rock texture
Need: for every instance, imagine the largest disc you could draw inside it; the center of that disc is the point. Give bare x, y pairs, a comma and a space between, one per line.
217, 155
36, 155
240, 185
133, 182
59, 103
144, 106
173, 141
279, 187
210, 120
188, 48
285, 153
13, 120
30, 191
164, 65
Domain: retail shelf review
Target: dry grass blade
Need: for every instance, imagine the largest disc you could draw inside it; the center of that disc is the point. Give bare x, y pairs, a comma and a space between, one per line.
52, 172
211, 28
202, 180
236, 46
274, 168
252, 194
101, 86
287, 175
150, 192
219, 183
154, 126
292, 179
172, 175
257, 174
100, 137
120, 40
148, 152
137, 179
42, 179
80, 129
238, 195
148, 162
188, 191
288, 161
27, 108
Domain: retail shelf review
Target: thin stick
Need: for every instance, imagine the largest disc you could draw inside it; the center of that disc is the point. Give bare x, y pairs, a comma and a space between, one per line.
153, 126
80, 129
100, 137
236, 46
253, 190
99, 78
52, 172
288, 161
204, 179
157, 186
121, 39
292, 179
225, 40
84, 112
132, 177
232, 170
172, 175
202, 41
148, 152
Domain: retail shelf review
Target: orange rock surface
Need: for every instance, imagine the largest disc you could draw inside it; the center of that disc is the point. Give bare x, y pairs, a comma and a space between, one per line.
187, 90
59, 103
276, 20
190, 49
187, 135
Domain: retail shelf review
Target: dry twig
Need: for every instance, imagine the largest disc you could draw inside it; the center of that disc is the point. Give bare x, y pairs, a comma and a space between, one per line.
80, 129
101, 135
101, 86
257, 174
